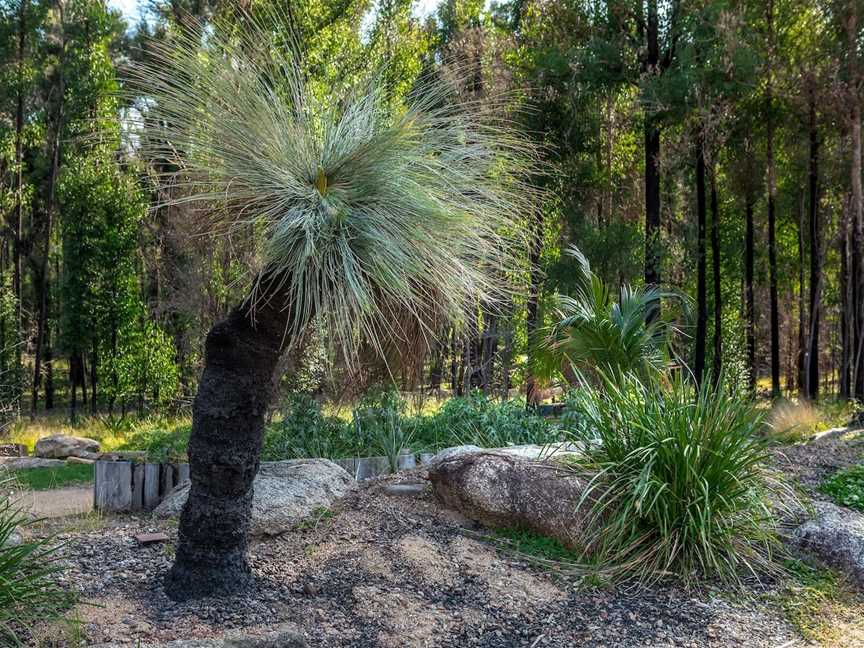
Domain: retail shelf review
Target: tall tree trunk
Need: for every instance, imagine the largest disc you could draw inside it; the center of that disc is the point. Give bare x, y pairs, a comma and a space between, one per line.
49, 220
717, 364
749, 301
800, 359
815, 259
701, 288
772, 192
846, 320
224, 450
651, 65
19, 177
532, 395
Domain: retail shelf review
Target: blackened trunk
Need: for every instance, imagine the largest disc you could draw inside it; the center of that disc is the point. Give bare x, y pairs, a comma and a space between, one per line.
701, 297
19, 177
815, 259
772, 191
652, 207
801, 357
241, 354
532, 395
717, 361
749, 300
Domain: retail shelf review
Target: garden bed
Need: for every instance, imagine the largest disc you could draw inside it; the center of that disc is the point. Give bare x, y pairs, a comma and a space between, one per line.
387, 570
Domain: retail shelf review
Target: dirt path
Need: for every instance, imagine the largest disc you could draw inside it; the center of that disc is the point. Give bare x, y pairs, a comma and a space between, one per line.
58, 502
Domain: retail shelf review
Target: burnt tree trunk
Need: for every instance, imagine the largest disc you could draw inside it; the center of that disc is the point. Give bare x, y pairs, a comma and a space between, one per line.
772, 192
812, 364
701, 300
717, 360
749, 300
241, 354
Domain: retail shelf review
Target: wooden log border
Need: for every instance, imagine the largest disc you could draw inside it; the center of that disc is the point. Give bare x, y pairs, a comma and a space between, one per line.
123, 486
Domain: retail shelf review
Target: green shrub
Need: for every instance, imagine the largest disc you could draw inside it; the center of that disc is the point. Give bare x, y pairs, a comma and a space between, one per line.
676, 481
846, 487
28, 590
305, 432
480, 420
163, 443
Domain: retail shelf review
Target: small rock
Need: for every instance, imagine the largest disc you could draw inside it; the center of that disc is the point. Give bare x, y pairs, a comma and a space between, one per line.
404, 490
311, 589
151, 538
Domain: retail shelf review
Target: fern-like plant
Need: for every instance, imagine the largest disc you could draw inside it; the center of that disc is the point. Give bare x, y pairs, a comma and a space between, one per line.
597, 329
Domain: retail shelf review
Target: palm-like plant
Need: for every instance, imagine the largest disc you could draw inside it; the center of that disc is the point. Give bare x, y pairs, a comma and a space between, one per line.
595, 331
373, 223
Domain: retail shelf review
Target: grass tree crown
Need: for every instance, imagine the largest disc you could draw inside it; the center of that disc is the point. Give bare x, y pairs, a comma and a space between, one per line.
380, 220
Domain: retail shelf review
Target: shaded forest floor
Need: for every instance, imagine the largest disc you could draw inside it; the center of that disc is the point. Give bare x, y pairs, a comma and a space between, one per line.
390, 571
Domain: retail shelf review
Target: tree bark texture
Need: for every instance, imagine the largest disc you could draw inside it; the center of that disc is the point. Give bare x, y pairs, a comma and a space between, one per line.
749, 300
241, 353
717, 360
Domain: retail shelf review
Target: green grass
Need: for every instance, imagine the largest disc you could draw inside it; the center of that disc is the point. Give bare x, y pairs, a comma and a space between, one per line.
820, 606
846, 487
48, 478
531, 544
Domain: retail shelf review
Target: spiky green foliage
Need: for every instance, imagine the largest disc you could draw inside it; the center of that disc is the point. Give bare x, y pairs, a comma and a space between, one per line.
378, 221
677, 483
597, 331
29, 591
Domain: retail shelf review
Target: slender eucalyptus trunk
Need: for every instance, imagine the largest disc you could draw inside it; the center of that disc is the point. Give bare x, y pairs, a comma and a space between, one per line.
19, 177
800, 359
49, 221
717, 361
772, 193
651, 65
812, 364
241, 354
532, 395
701, 289
749, 300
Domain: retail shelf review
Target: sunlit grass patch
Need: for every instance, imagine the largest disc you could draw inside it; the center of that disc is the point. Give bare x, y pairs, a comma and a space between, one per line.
59, 477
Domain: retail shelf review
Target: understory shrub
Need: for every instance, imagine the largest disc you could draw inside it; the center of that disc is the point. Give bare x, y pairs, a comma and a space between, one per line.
379, 426
676, 481
163, 442
29, 592
846, 487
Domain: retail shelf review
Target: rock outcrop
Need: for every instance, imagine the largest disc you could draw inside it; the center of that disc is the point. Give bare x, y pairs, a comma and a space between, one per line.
500, 489
835, 536
285, 493
61, 446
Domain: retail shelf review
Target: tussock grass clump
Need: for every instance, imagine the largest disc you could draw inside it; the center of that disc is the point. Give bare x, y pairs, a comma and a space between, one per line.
791, 422
676, 481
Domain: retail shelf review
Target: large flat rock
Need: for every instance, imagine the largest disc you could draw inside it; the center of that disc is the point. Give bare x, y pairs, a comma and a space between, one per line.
501, 489
61, 446
285, 493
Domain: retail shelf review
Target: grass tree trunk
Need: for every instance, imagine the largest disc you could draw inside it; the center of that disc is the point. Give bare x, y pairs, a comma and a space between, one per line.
241, 354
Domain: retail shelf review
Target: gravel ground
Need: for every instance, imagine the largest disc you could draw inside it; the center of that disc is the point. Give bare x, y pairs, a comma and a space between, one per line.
391, 571
811, 463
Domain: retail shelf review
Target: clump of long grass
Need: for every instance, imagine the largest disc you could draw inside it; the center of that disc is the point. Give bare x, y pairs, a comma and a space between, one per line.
791, 422
379, 222
677, 483
29, 591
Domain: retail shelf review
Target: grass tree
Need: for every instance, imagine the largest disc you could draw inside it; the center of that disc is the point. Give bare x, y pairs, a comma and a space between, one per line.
373, 224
